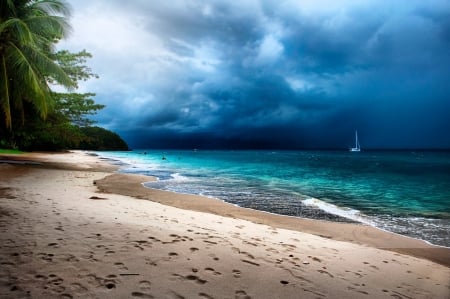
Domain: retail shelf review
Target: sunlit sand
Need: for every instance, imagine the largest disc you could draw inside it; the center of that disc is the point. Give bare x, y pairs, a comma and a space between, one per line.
60, 237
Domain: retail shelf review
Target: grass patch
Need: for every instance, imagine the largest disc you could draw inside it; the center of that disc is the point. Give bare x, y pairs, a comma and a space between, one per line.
10, 151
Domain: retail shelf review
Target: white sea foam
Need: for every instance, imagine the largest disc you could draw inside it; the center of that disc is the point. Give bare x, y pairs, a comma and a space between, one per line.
177, 177
339, 211
215, 182
130, 163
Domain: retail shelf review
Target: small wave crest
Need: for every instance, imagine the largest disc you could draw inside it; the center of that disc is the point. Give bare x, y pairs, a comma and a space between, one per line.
433, 231
339, 211
177, 177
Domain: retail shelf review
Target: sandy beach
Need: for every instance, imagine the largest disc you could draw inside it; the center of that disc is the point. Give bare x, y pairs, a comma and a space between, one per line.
70, 227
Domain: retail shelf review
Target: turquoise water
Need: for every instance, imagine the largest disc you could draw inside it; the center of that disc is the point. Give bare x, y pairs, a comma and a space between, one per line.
402, 192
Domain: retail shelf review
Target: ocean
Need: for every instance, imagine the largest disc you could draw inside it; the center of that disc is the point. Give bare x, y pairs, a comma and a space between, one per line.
403, 192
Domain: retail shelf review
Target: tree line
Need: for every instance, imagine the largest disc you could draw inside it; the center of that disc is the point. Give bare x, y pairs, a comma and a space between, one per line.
35, 117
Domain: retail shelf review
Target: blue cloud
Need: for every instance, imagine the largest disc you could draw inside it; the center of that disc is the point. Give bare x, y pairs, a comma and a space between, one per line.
280, 74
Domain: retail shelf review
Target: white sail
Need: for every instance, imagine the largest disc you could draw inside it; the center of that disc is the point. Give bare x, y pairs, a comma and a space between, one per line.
357, 148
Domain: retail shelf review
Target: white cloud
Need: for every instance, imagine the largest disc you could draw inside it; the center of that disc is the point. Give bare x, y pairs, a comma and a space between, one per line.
297, 84
269, 50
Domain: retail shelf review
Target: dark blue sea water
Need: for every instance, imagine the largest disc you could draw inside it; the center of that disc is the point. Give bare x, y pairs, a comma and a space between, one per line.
402, 192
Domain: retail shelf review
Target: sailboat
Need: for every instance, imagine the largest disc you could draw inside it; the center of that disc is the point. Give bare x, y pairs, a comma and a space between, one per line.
357, 148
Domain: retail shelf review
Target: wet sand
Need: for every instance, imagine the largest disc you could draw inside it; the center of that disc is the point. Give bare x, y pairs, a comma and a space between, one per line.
62, 236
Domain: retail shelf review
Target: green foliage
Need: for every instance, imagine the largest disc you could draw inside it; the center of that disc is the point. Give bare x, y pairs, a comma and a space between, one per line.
54, 133
101, 139
74, 65
35, 117
57, 132
76, 107
10, 151
29, 30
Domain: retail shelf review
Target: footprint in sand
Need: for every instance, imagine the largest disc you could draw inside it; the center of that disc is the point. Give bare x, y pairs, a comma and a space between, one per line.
315, 259
211, 270
241, 294
40, 277
250, 262
191, 277
154, 239
144, 285
325, 272
78, 288
187, 238
289, 247
213, 257
236, 273
110, 284
247, 255
138, 247
210, 242
121, 266
141, 295
70, 258
54, 284
46, 256
205, 296
273, 250
250, 243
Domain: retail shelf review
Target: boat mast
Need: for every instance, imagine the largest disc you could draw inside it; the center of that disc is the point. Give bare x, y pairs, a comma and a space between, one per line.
356, 148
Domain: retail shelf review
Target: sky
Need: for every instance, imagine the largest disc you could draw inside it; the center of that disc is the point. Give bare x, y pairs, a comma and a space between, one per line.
269, 74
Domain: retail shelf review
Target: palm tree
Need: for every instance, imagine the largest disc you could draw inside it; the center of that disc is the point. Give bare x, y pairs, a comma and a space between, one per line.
29, 30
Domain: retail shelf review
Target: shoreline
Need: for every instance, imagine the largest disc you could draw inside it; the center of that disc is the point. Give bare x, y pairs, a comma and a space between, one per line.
351, 221
323, 228
62, 235
444, 261
362, 234
413, 207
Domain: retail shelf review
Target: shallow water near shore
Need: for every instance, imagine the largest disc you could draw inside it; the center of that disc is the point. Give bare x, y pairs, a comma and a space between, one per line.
402, 192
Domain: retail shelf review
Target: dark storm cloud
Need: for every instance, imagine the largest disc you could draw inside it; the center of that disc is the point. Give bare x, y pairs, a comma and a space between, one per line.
280, 74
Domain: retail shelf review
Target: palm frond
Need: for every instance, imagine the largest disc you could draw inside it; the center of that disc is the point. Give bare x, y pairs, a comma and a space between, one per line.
30, 76
17, 28
54, 27
48, 67
29, 30
53, 7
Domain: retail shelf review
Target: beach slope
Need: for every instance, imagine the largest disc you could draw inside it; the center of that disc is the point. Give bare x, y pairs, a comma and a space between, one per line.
62, 236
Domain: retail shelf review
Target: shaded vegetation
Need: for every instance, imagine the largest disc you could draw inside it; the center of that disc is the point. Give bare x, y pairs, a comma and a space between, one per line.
35, 116
29, 30
97, 138
10, 151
